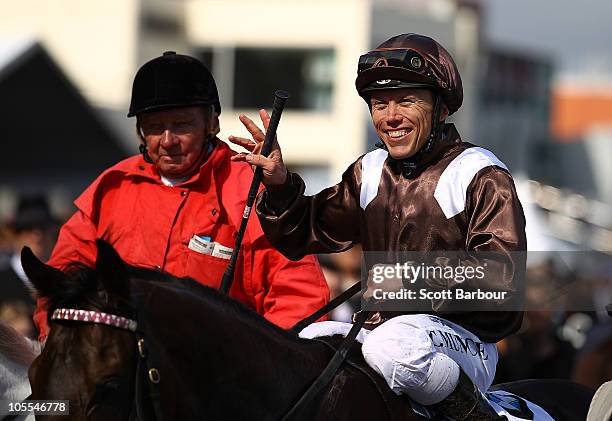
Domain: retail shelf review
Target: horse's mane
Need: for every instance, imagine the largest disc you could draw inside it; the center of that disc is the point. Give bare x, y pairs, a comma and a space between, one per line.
222, 303
17, 347
83, 287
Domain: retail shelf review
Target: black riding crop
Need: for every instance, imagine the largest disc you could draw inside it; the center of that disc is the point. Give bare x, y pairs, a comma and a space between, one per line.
280, 97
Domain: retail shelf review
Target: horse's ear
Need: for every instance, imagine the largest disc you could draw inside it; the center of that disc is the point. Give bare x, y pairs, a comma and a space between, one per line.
45, 278
112, 270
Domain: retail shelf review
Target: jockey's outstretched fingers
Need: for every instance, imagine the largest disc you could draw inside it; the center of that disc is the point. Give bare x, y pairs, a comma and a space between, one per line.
274, 170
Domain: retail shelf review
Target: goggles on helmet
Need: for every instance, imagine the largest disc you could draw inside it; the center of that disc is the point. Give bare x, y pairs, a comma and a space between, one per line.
401, 67
405, 58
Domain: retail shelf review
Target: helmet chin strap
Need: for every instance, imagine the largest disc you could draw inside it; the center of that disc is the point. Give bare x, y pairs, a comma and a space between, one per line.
209, 145
208, 138
408, 166
434, 134
436, 127
145, 154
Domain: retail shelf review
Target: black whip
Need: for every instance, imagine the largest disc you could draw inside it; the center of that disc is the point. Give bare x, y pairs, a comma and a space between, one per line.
280, 97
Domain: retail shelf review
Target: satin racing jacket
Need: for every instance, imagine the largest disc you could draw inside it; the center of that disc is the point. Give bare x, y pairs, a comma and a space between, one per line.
455, 197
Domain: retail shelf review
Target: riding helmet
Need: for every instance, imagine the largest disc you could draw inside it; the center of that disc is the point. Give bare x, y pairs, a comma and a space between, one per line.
173, 80
410, 61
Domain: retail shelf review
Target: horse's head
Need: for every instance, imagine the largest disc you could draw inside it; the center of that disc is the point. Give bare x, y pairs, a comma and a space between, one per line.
90, 364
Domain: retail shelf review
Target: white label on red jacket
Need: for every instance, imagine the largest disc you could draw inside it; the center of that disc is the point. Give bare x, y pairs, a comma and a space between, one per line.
222, 251
200, 245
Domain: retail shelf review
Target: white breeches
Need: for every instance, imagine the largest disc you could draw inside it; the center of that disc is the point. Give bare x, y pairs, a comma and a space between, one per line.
420, 355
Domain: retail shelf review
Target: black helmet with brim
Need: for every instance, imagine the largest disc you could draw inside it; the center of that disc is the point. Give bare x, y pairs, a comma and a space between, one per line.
170, 81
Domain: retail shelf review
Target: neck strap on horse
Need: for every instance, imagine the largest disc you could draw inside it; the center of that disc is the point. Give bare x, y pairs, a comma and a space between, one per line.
146, 367
144, 372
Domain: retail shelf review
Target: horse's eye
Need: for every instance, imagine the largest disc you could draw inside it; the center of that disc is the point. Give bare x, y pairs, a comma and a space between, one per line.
105, 391
110, 385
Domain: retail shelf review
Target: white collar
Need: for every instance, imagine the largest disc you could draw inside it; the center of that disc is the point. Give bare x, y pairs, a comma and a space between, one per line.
171, 182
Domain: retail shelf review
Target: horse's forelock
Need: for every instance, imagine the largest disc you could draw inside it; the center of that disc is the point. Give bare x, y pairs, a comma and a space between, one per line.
17, 347
80, 285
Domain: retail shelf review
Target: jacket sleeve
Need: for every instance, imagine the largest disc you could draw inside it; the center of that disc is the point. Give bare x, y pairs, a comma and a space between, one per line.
291, 290
496, 224
297, 225
76, 243
495, 215
496, 229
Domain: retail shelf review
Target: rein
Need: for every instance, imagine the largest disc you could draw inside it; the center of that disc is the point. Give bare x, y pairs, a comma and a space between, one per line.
144, 365
329, 372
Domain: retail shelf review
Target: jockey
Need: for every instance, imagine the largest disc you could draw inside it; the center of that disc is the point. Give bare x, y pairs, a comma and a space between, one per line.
178, 205
425, 190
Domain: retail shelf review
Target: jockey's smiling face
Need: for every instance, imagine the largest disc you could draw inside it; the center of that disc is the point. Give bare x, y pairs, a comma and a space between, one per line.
402, 119
175, 139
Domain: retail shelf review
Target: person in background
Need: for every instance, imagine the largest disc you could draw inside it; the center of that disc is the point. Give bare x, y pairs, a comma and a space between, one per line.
341, 271
177, 206
33, 226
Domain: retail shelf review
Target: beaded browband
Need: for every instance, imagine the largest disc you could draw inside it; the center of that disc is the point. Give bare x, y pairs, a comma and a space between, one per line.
91, 316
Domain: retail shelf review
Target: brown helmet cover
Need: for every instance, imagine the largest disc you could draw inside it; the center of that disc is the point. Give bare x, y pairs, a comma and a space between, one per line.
426, 64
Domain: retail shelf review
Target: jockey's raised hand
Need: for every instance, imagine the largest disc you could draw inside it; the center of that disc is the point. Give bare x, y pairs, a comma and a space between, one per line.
274, 170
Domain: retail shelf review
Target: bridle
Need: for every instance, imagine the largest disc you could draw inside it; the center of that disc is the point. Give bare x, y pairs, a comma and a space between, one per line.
145, 369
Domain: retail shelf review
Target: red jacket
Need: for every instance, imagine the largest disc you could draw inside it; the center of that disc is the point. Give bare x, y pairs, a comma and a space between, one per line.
151, 225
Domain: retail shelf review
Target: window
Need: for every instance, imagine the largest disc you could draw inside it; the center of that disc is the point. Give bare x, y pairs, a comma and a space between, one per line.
307, 74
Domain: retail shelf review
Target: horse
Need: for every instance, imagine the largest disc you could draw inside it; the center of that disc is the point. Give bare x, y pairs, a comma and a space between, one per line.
16, 354
135, 343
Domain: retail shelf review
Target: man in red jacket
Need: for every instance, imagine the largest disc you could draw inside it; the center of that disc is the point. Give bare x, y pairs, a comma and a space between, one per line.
177, 207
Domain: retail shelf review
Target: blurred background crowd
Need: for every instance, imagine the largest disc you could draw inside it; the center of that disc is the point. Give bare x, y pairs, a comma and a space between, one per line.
538, 93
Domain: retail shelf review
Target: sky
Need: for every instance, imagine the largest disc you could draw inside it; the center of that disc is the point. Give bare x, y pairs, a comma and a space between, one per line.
576, 34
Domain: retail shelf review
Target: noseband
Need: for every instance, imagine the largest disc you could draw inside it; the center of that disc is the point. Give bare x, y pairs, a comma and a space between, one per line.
144, 366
